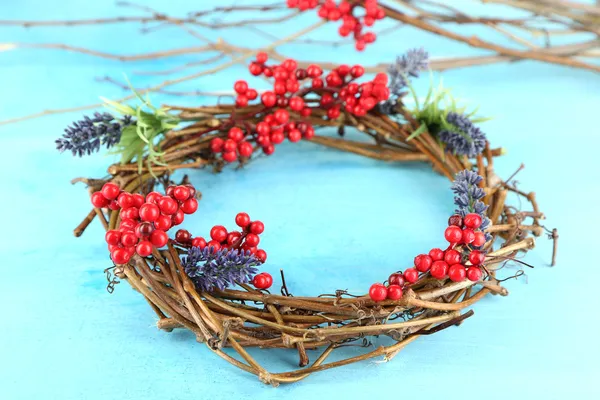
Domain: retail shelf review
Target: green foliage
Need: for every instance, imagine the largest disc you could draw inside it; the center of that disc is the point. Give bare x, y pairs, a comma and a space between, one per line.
140, 140
436, 106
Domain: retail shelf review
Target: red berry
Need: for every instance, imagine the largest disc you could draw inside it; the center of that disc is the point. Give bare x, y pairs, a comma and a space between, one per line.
229, 145
99, 201
296, 103
457, 273
112, 237
218, 233
242, 220
130, 213
472, 221
263, 129
268, 99
125, 200
477, 257
177, 218
474, 274
436, 254
199, 242
216, 145
269, 149
439, 269
169, 190
357, 71
262, 281
159, 238
183, 236
149, 212
378, 292
233, 237
468, 236
144, 229
120, 256
167, 205
292, 86
127, 225
479, 239
279, 87
343, 70
381, 78
153, 198
262, 57
114, 205
252, 240
110, 190
240, 86
214, 245
251, 94
163, 223
453, 234
138, 200
229, 156
295, 136
452, 257
310, 133
314, 71
423, 262
128, 239
396, 279
245, 149
257, 227
144, 248
261, 255
455, 220
241, 101
282, 116
181, 193
189, 206
235, 134
394, 292
411, 275
255, 69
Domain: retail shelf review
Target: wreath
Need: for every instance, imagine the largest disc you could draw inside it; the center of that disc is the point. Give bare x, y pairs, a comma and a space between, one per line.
218, 284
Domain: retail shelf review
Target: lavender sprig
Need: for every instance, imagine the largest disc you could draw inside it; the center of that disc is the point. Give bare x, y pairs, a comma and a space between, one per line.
211, 269
468, 195
461, 136
87, 135
407, 66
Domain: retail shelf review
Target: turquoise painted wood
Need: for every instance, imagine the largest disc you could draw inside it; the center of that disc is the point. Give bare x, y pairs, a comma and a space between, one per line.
334, 221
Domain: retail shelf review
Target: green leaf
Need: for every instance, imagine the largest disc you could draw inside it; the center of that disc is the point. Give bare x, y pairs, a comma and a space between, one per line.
120, 108
416, 133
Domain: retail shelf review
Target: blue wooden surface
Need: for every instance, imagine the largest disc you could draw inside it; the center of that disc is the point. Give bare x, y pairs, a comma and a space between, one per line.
332, 219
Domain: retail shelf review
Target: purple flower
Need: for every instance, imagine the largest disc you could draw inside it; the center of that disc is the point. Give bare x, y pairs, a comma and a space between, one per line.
467, 197
406, 66
462, 137
211, 269
87, 135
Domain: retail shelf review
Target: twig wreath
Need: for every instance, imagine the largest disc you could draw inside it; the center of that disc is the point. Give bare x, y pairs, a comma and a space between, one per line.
211, 284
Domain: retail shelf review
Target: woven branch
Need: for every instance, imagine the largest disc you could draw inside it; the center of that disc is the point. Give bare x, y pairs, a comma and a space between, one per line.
252, 318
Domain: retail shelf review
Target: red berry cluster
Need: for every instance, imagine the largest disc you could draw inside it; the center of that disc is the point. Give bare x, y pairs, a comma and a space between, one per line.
144, 221
234, 146
396, 284
264, 280
351, 24
463, 235
336, 91
247, 239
